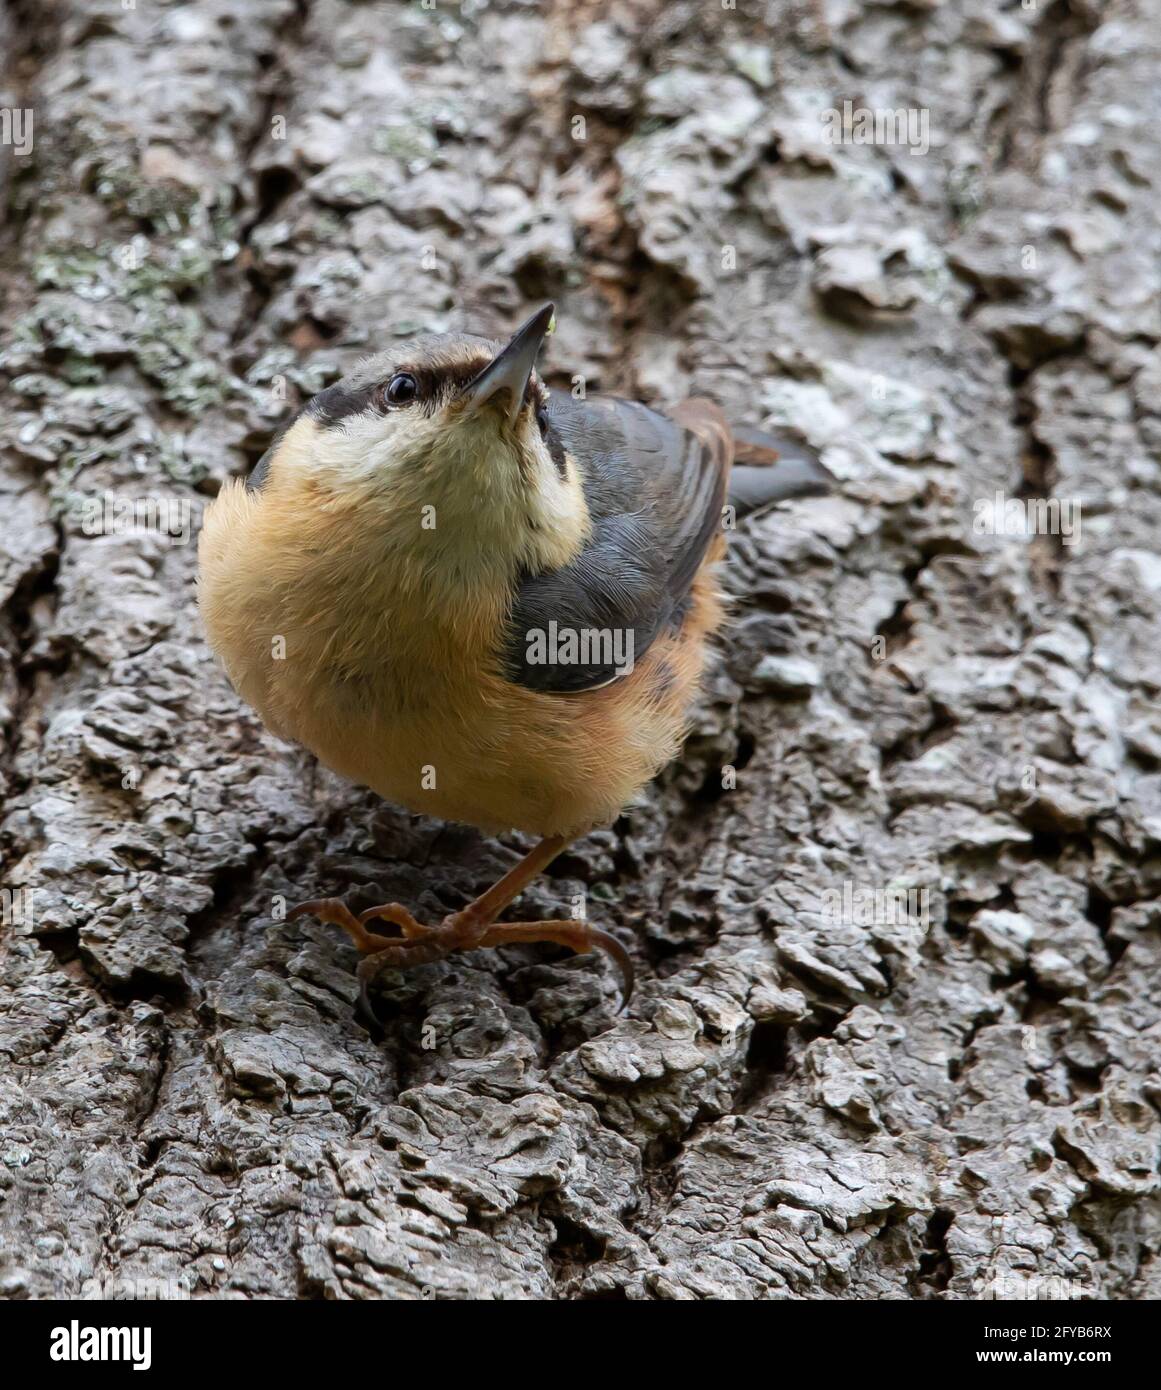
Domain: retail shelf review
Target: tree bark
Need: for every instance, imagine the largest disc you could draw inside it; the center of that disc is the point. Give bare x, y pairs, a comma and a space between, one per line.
896, 911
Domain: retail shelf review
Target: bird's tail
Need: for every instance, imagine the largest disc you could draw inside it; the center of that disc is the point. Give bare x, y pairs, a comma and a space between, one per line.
768, 470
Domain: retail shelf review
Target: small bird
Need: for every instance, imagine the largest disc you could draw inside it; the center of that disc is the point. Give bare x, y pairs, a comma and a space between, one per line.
487, 600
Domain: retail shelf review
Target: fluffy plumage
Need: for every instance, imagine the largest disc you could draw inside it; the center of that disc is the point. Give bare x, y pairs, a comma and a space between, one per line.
373, 588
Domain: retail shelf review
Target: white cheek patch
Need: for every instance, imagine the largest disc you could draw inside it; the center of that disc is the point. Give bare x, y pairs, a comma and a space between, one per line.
363, 453
558, 510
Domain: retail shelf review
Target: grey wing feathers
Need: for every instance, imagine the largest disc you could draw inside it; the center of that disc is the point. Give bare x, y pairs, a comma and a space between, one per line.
655, 491
612, 587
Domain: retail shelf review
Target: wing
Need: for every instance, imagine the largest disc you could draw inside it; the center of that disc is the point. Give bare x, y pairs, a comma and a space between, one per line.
655, 486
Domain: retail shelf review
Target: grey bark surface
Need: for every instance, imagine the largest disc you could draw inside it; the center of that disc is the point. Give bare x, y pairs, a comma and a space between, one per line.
224, 206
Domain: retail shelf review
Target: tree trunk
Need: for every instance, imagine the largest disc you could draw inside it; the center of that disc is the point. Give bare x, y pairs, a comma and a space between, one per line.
896, 911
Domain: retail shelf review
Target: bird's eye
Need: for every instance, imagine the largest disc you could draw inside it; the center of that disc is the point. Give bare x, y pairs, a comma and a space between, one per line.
542, 421
401, 389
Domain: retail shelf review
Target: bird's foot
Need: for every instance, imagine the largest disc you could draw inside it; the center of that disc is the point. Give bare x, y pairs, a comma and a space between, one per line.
467, 930
338, 914
577, 936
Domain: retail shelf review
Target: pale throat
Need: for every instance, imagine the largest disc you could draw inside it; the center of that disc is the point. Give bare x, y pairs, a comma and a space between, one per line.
505, 502
447, 515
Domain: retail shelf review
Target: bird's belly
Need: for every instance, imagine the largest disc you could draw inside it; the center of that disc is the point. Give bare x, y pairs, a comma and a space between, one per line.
497, 768
444, 738
501, 757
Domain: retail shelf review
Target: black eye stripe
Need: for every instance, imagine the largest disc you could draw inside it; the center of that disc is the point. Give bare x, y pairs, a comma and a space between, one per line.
556, 450
436, 386
338, 402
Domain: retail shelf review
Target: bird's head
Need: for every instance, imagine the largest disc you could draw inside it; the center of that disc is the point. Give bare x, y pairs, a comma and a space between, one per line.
446, 439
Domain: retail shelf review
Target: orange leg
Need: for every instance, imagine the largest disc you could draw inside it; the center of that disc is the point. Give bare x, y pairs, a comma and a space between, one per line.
475, 926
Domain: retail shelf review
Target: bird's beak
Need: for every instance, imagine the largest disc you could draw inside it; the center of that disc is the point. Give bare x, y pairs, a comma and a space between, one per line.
504, 380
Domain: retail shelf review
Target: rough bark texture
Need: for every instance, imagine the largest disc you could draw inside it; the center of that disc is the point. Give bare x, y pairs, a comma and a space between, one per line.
797, 1104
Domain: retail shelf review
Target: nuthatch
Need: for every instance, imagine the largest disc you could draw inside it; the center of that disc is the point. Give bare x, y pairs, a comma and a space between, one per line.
487, 600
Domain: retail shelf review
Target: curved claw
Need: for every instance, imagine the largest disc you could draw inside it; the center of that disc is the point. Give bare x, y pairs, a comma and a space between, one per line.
368, 971
623, 960
328, 909
365, 1010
